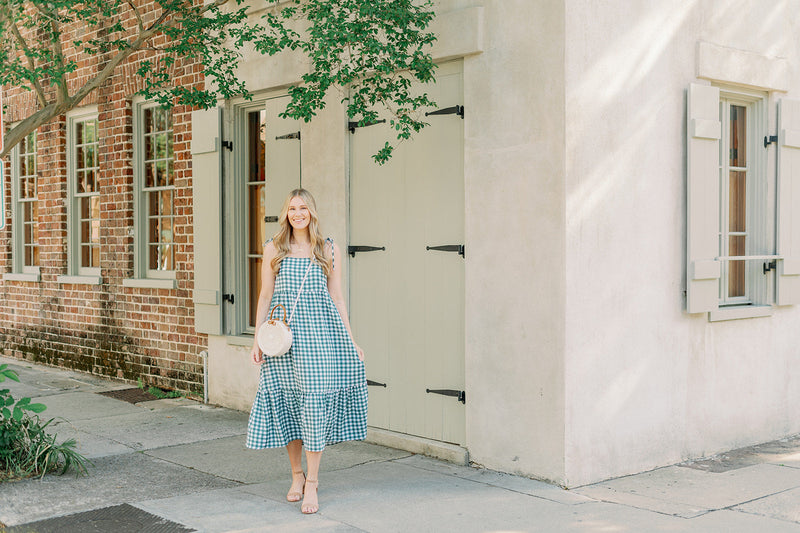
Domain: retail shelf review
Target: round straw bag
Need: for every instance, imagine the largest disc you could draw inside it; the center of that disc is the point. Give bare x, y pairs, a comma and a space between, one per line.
274, 336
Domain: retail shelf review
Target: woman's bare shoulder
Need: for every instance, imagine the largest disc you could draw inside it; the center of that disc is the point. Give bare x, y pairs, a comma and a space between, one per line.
269, 249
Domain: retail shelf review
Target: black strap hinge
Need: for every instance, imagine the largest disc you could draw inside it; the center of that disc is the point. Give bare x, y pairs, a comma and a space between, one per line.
352, 125
460, 394
453, 110
769, 140
375, 383
448, 248
295, 135
353, 250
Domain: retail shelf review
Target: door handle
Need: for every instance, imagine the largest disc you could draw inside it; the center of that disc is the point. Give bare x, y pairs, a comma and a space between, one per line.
448, 248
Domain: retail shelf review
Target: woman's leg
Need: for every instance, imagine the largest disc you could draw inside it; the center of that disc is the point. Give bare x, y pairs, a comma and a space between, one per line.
295, 451
310, 501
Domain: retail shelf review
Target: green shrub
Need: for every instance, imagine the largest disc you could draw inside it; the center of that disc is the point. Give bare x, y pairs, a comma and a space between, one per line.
26, 448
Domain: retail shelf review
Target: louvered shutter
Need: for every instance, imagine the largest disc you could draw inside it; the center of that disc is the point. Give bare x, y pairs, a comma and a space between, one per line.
788, 279
206, 175
702, 202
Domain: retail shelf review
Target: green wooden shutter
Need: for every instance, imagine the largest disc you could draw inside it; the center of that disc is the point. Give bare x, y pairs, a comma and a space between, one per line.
702, 198
206, 179
788, 279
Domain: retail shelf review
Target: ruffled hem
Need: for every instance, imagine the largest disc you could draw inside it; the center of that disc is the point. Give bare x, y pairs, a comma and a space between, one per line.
318, 419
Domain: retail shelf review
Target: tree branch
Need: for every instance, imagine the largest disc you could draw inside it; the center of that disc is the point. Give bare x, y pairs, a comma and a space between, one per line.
62, 93
27, 52
139, 20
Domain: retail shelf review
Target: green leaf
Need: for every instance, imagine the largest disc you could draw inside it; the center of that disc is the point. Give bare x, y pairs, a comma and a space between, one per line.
36, 407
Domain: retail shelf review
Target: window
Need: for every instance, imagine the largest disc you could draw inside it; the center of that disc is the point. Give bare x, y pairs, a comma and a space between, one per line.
742, 209
256, 229
26, 226
158, 188
743, 239
264, 166
154, 203
84, 194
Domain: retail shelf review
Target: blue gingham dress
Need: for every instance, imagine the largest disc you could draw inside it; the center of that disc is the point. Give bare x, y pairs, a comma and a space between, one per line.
317, 392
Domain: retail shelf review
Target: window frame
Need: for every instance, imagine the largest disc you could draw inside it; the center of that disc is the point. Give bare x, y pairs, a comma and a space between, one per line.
760, 205
143, 275
236, 320
19, 270
77, 272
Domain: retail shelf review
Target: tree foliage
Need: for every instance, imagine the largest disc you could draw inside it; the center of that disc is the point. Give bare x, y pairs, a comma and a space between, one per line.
371, 50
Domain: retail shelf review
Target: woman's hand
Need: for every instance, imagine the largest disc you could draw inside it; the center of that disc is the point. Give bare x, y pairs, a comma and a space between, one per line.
256, 355
360, 352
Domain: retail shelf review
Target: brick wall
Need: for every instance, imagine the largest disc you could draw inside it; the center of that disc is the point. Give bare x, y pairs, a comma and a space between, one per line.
106, 329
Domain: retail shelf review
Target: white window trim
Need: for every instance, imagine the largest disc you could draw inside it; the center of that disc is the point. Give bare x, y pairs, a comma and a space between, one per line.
19, 272
736, 312
760, 224
143, 276
77, 274
235, 281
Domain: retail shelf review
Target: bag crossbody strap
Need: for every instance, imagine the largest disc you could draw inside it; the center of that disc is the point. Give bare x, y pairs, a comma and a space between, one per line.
310, 263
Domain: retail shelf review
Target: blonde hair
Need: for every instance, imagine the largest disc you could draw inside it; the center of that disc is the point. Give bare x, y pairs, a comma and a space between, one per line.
282, 239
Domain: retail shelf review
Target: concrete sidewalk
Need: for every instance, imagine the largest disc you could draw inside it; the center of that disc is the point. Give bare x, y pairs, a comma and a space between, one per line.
179, 465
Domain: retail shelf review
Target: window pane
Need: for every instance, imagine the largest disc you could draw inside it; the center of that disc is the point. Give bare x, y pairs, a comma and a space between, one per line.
256, 136
149, 148
150, 175
148, 120
161, 146
738, 151
166, 202
161, 119
90, 131
153, 231
86, 258
28, 233
256, 226
91, 157
736, 269
152, 251
255, 287
737, 208
161, 173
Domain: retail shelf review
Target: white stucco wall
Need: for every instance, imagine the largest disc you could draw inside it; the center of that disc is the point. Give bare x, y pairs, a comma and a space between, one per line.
647, 384
515, 276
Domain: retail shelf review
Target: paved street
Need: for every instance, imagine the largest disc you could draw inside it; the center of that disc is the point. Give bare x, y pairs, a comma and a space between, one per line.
183, 466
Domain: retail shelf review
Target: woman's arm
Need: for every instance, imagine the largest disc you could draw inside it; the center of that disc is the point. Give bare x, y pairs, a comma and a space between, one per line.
335, 290
264, 298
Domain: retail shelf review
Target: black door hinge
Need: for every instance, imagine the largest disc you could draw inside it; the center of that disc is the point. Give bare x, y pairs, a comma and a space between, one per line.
448, 248
352, 250
295, 135
375, 383
352, 125
227, 298
460, 394
769, 140
228, 145
453, 110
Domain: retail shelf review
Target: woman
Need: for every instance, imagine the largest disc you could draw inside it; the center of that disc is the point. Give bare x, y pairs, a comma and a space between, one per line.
316, 394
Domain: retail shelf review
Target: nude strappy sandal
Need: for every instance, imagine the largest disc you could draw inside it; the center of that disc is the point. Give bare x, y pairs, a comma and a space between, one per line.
310, 509
293, 495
